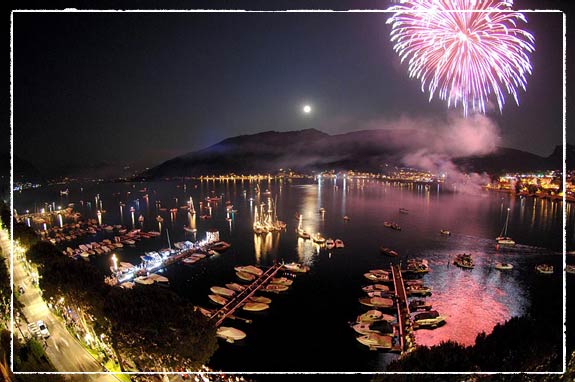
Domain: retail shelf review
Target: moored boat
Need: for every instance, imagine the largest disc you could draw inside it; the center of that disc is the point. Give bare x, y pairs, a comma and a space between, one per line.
430, 319
445, 232
544, 268
503, 266
275, 288
417, 290
249, 269
379, 327
376, 341
235, 287
570, 269
375, 287
230, 334
419, 305
375, 315
281, 281
261, 299
255, 306
296, 267
246, 276
464, 260
376, 302
222, 291
218, 299
339, 243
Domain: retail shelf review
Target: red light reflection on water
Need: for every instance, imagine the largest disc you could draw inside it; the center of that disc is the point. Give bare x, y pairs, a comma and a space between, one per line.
471, 303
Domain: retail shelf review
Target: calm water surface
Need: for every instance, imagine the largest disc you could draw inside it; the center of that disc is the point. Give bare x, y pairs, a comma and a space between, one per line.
307, 328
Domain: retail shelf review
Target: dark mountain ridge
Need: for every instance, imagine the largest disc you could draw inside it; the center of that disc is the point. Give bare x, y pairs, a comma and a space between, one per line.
312, 150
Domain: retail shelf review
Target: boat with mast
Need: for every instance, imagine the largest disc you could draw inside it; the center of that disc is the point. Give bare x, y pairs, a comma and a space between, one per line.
300, 231
503, 239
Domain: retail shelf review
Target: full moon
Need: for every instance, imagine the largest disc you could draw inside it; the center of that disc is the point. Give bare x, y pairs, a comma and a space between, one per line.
307, 109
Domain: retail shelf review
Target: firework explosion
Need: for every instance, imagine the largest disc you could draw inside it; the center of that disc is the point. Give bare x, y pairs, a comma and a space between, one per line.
467, 51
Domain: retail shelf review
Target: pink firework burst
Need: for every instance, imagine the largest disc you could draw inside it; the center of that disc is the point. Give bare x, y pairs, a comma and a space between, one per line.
466, 51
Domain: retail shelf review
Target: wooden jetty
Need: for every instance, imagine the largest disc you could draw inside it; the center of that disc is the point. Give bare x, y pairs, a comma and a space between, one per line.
406, 338
242, 297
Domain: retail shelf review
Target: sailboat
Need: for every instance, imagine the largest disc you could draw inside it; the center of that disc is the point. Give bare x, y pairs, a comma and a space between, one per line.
300, 231
503, 239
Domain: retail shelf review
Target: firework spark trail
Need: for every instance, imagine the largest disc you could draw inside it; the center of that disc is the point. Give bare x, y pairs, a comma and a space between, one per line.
466, 51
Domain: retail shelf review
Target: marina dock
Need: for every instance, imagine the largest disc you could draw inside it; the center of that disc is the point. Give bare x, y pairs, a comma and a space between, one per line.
406, 338
238, 300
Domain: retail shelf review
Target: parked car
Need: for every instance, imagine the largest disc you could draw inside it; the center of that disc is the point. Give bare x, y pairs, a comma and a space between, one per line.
43, 329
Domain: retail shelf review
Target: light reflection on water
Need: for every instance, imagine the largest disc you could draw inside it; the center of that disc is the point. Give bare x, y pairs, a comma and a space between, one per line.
473, 301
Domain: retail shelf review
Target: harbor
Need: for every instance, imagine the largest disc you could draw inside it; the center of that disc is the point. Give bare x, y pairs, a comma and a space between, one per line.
324, 301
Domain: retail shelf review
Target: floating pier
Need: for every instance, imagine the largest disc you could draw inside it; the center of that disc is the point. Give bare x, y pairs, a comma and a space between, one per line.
234, 303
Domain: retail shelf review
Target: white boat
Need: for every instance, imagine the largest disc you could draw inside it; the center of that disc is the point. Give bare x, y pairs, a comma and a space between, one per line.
218, 299
296, 267
445, 232
255, 306
246, 276
376, 341
375, 287
570, 269
261, 299
143, 280
503, 266
377, 277
222, 291
503, 239
230, 334
235, 287
158, 278
281, 281
377, 302
339, 243
374, 315
249, 269
544, 268
275, 288
317, 238
428, 319
378, 327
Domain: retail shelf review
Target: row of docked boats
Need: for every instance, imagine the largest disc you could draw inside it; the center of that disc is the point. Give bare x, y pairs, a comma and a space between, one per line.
243, 294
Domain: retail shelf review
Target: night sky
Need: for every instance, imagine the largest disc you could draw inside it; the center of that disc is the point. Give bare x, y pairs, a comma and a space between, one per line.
141, 88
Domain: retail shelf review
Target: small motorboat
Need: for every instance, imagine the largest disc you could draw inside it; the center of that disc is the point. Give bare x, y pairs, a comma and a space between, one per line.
275, 288
375, 315
262, 299
544, 268
445, 232
419, 305
230, 334
379, 327
375, 287
430, 319
339, 243
503, 266
376, 302
376, 341
255, 306
218, 299
246, 276
222, 291
235, 287
296, 267
249, 269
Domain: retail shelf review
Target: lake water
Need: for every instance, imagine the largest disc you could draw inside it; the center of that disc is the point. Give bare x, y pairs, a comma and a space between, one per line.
307, 328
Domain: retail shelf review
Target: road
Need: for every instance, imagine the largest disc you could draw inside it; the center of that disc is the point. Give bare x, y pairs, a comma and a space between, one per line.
64, 350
